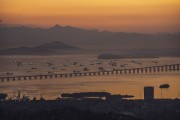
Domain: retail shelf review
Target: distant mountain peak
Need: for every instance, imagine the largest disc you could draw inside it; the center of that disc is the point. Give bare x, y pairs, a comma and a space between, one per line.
56, 26
56, 45
59, 27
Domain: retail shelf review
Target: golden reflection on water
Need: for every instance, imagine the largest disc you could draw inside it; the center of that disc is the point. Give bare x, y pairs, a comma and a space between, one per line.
115, 84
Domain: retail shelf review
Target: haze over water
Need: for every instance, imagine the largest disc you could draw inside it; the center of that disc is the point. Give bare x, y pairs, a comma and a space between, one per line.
131, 84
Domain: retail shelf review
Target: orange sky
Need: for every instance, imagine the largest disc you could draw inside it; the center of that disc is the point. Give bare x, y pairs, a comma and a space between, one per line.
113, 15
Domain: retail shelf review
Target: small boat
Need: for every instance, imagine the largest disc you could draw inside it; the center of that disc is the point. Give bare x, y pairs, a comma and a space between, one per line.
33, 68
19, 64
50, 72
123, 66
86, 69
8, 73
101, 68
76, 71
54, 68
114, 64
30, 63
164, 86
74, 63
49, 63
81, 65
155, 62
98, 62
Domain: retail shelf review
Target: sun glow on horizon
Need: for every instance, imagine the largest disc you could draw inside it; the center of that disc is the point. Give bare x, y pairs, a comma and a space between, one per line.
114, 15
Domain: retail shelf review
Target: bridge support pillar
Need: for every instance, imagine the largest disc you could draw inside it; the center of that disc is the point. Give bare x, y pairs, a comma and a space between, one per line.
65, 75
178, 67
50, 76
166, 68
134, 71
125, 71
137, 70
150, 69
170, 68
154, 69
158, 69
162, 68
60, 75
99, 73
55, 76
145, 70
94, 73
174, 67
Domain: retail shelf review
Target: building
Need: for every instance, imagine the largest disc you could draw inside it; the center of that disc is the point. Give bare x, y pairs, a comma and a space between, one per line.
148, 93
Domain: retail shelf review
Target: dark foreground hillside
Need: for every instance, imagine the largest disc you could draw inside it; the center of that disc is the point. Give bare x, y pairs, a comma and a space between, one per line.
90, 110
75, 114
62, 114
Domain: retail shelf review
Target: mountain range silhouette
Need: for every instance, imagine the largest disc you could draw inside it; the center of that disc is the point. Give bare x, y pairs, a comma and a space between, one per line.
14, 37
88, 39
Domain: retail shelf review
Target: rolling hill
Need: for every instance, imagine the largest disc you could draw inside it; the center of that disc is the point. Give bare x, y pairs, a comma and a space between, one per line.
55, 47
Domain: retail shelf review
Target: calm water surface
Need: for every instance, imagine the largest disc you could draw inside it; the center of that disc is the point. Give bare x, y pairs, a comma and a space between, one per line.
116, 84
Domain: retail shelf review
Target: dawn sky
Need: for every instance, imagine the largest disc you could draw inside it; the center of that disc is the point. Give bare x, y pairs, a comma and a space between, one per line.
112, 15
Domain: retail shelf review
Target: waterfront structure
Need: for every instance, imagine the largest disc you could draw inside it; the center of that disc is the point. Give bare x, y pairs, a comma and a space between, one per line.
148, 93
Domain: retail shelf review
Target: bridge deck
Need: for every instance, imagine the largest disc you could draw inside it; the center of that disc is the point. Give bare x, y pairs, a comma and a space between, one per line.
152, 69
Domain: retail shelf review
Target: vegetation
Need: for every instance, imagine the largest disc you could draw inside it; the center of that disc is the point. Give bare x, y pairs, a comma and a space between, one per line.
3, 96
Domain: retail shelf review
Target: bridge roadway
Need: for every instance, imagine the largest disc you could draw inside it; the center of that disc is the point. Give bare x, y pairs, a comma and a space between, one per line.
145, 70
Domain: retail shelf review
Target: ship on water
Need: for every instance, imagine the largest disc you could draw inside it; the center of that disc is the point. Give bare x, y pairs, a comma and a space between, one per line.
164, 86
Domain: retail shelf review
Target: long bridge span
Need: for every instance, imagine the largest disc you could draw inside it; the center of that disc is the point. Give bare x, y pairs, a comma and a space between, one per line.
142, 70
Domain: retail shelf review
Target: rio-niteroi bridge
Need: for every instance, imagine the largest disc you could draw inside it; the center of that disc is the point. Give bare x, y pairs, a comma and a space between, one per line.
142, 70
